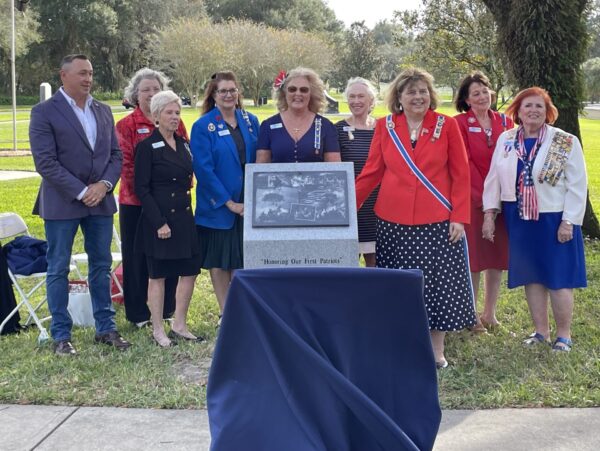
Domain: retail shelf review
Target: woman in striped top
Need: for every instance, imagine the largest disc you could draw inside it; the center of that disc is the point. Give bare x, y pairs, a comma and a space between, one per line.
355, 135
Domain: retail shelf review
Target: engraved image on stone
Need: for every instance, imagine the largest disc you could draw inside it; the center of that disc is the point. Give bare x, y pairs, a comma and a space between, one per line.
300, 199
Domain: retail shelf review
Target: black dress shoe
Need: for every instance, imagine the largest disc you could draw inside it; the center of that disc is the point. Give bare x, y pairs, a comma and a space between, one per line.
176, 337
113, 338
64, 347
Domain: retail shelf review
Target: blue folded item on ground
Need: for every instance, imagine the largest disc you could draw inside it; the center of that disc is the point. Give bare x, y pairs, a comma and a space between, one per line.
26, 255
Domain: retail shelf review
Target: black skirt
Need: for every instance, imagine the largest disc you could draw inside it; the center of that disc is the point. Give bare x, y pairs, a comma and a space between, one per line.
222, 248
158, 269
448, 293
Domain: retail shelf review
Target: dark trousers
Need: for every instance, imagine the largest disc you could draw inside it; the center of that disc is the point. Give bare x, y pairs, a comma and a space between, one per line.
135, 271
7, 298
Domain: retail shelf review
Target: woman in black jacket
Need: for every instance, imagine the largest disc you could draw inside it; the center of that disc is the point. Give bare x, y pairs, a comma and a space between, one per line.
166, 230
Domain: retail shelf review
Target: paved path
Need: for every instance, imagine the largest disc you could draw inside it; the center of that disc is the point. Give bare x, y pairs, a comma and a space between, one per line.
12, 175
45, 428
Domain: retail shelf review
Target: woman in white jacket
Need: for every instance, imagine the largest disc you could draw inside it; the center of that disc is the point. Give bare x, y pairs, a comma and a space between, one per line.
538, 179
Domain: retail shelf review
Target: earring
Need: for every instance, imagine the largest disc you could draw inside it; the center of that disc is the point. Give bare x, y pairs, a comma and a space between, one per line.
400, 106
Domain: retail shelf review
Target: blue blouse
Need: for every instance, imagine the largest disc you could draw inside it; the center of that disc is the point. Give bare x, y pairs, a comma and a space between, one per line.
274, 137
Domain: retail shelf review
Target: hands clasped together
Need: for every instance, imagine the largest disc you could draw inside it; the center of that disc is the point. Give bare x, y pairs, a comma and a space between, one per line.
95, 193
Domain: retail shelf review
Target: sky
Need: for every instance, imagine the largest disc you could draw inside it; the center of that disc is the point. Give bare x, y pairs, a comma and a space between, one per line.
371, 11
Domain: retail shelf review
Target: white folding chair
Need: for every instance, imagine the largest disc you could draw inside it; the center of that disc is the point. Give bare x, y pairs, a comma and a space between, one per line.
82, 259
11, 225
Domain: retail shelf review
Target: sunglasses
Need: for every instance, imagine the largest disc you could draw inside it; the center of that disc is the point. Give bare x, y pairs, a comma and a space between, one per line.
302, 89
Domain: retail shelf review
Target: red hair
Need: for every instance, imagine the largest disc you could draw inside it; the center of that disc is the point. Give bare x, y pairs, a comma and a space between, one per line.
551, 111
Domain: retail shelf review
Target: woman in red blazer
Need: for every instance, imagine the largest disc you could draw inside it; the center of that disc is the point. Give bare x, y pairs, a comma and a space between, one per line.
480, 128
420, 221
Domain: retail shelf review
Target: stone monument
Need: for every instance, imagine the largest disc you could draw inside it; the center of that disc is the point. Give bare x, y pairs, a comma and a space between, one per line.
300, 214
45, 91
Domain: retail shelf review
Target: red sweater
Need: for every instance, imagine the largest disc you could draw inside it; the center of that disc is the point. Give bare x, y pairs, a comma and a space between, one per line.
130, 131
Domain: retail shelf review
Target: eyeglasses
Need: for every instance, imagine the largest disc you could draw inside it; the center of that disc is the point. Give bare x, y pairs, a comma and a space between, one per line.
302, 89
224, 92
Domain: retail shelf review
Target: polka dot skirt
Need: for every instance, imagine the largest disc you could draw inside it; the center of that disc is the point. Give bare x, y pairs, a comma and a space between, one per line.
448, 293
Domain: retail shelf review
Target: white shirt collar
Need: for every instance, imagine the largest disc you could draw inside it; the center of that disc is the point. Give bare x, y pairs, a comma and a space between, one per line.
88, 100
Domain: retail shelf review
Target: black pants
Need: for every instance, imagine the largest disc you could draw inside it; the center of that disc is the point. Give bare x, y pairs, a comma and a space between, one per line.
7, 298
135, 271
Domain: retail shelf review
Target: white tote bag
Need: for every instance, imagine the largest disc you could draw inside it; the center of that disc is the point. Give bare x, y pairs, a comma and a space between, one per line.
80, 304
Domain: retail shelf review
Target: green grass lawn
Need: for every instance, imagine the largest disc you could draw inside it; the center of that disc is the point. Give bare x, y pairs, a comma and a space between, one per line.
486, 372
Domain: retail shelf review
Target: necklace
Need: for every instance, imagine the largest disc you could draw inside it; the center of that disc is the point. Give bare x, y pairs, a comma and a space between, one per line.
414, 130
297, 124
368, 124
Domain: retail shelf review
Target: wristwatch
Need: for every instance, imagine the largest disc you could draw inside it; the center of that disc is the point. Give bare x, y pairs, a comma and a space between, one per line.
566, 221
108, 185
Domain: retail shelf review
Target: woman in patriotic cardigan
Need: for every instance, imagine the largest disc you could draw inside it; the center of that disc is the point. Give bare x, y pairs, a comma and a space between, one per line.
538, 180
418, 157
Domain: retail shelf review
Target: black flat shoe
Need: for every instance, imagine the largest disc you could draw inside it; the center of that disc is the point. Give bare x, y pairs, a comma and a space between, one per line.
175, 336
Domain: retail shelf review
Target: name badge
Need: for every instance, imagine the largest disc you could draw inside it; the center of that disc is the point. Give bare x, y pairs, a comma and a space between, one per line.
348, 128
143, 131
475, 129
278, 125
224, 132
158, 144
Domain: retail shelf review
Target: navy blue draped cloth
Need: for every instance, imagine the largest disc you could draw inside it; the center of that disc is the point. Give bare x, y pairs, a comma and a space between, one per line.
324, 359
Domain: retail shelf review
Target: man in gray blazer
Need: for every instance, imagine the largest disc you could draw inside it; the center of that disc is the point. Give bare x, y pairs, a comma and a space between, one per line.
76, 152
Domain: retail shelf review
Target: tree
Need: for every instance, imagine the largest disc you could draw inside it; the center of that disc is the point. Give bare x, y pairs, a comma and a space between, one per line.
26, 34
115, 34
191, 50
304, 15
545, 44
358, 54
591, 71
593, 27
455, 37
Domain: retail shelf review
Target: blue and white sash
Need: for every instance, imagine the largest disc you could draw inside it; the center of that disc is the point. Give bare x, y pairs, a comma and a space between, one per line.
413, 167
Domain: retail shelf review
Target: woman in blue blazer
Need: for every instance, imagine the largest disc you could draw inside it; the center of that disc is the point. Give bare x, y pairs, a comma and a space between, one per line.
223, 140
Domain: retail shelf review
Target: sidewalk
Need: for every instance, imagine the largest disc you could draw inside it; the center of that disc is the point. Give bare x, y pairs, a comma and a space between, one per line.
44, 428
13, 175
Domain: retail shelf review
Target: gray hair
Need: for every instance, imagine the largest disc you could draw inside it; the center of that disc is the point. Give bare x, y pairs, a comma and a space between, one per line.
161, 100
132, 89
361, 81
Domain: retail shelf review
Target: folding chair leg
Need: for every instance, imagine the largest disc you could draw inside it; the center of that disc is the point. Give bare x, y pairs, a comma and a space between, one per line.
43, 336
118, 284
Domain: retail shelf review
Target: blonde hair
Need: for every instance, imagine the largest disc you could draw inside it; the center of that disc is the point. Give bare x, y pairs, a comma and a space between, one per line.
407, 78
317, 90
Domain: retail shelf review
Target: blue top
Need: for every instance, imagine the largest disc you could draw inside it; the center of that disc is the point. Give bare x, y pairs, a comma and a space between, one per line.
218, 167
529, 142
274, 137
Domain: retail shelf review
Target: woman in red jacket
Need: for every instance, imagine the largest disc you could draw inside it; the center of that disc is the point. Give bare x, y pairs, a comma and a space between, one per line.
132, 129
418, 157
480, 128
